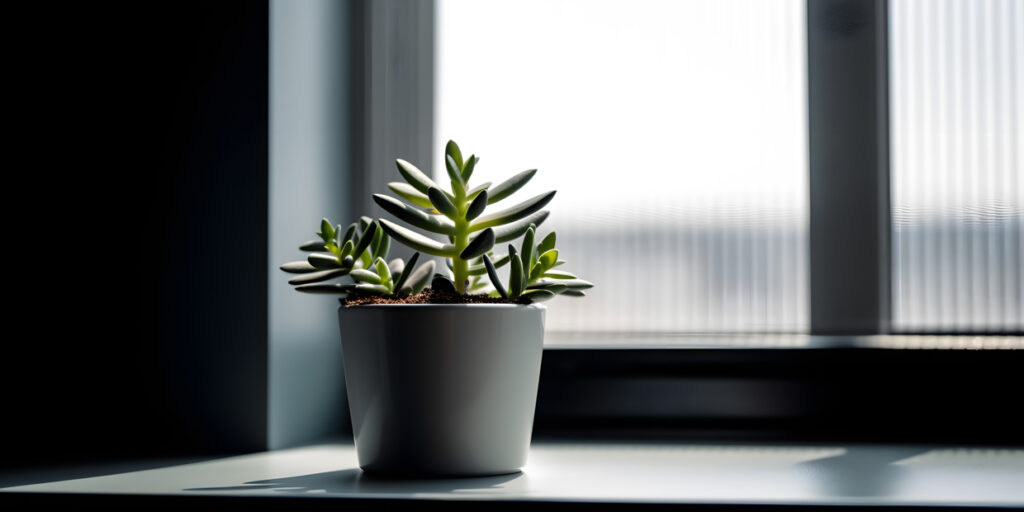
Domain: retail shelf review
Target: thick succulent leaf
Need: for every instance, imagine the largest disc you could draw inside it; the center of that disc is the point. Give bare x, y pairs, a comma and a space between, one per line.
326, 230
349, 233
510, 186
515, 274
552, 286
451, 150
467, 168
480, 245
418, 280
512, 231
382, 270
492, 273
364, 222
312, 245
323, 260
366, 276
479, 270
455, 175
405, 271
538, 295
573, 293
442, 202
526, 250
544, 263
475, 191
414, 176
396, 266
477, 206
348, 249
409, 193
372, 289
413, 216
335, 288
383, 246
416, 241
375, 243
576, 284
366, 238
558, 274
347, 261
547, 244
316, 277
441, 283
298, 267
513, 214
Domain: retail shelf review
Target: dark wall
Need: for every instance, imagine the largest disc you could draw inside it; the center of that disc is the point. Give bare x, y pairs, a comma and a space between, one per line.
136, 215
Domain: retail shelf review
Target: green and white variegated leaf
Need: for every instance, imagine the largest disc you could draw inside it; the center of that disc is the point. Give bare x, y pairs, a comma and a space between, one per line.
414, 176
558, 274
335, 288
510, 186
572, 284
555, 287
316, 277
409, 193
298, 267
312, 245
513, 214
396, 266
416, 241
419, 278
365, 276
382, 270
510, 232
372, 289
415, 217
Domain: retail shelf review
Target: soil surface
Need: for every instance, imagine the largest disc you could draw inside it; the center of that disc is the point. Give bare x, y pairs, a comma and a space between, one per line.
428, 296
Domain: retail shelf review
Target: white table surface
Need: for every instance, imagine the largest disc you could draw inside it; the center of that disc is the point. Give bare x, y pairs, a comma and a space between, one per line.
615, 472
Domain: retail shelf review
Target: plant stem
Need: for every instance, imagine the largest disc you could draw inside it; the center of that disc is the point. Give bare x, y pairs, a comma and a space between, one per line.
460, 267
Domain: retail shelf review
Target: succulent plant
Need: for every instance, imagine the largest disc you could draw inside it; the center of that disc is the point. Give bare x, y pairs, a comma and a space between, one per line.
458, 213
359, 252
532, 274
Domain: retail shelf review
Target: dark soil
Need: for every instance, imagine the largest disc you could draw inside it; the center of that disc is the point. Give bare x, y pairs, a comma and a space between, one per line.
428, 296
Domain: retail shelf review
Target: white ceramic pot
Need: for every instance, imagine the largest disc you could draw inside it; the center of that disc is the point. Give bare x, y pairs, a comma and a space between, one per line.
442, 389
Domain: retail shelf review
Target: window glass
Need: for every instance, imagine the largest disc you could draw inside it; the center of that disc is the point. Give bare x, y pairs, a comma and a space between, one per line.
675, 134
957, 74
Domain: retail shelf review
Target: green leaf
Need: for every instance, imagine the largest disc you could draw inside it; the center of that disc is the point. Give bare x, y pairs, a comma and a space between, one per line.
560, 275
515, 213
515, 274
396, 266
573, 293
298, 267
417, 218
559, 263
316, 277
455, 175
477, 206
452, 150
510, 186
333, 248
544, 263
326, 230
312, 245
492, 273
372, 289
409, 193
383, 270
349, 233
366, 276
419, 278
414, 176
467, 169
527, 251
347, 261
403, 275
416, 241
323, 260
479, 270
577, 284
475, 191
335, 288
551, 286
364, 222
442, 283
480, 245
442, 203
538, 295
383, 246
348, 249
365, 239
547, 244
510, 232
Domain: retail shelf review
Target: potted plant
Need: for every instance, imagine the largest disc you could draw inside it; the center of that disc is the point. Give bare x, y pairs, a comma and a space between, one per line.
441, 372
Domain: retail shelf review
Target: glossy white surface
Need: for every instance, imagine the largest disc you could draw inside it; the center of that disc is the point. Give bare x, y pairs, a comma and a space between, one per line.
621, 472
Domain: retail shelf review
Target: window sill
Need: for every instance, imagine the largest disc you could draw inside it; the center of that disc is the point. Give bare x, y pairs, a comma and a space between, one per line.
586, 472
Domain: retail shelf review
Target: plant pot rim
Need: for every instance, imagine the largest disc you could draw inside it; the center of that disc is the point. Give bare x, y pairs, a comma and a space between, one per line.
444, 306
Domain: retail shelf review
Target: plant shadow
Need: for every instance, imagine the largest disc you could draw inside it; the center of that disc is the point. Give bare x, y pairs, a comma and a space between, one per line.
355, 481
862, 471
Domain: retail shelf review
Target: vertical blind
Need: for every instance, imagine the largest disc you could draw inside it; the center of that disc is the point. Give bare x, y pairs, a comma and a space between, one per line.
675, 134
957, 76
